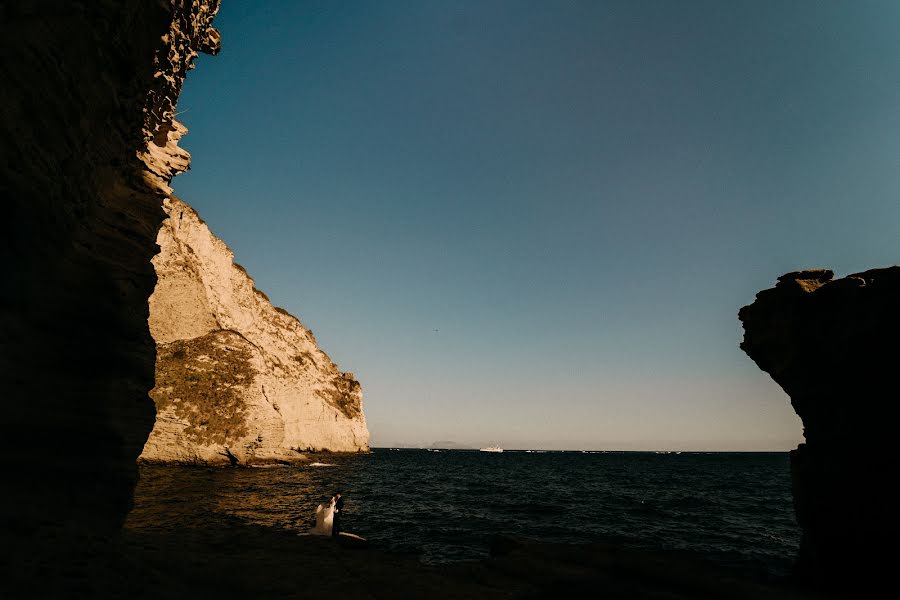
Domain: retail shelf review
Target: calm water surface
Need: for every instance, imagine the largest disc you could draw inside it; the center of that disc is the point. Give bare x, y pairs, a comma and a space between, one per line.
735, 509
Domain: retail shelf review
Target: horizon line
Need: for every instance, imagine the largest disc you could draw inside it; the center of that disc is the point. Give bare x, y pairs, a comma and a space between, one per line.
579, 450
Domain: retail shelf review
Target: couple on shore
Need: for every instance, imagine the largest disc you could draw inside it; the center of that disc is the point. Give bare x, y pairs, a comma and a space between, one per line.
328, 517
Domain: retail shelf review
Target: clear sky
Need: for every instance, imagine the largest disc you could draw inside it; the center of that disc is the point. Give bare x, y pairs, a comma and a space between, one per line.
534, 223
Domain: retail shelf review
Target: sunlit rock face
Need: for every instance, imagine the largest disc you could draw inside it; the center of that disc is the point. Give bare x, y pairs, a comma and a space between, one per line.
237, 379
89, 144
831, 344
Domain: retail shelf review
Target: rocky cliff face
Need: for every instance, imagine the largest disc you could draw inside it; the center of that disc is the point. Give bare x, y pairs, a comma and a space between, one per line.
831, 344
88, 147
237, 379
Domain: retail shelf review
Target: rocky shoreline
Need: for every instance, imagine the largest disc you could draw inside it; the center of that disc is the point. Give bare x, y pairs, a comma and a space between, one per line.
227, 460
249, 561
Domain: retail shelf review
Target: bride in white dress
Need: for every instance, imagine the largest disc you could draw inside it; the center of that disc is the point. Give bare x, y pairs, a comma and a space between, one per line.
324, 519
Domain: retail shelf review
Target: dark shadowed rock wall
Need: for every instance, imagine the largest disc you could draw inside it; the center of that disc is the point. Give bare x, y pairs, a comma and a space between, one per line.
832, 345
88, 146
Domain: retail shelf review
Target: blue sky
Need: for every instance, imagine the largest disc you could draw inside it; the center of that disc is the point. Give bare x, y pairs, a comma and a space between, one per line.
534, 222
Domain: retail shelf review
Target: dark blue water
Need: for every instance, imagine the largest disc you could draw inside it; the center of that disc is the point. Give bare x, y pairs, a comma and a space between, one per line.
734, 509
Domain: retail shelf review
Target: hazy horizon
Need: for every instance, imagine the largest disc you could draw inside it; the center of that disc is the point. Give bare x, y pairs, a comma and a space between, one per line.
532, 222
567, 446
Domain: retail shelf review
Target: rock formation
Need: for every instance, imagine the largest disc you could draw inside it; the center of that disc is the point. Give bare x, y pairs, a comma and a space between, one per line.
88, 147
831, 345
237, 379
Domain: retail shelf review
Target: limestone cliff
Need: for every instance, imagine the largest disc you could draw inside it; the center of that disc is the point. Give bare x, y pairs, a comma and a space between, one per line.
88, 147
236, 378
831, 344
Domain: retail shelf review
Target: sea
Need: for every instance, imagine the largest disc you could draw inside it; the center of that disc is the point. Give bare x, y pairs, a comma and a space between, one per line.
734, 509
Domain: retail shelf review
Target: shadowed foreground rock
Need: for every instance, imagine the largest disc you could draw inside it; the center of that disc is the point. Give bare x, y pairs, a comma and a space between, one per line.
255, 562
831, 344
89, 144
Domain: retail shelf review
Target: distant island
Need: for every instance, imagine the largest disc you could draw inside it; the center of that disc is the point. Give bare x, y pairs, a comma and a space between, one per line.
446, 445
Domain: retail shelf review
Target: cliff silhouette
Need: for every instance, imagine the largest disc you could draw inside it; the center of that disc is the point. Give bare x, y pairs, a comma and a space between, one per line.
831, 345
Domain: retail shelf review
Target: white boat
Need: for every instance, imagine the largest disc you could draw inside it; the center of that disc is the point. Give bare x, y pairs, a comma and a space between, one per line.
492, 449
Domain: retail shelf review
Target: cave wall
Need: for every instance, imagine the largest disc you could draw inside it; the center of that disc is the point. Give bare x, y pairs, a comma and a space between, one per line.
831, 345
89, 145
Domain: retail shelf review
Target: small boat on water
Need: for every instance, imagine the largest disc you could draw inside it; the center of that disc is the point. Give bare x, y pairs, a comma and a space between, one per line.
492, 449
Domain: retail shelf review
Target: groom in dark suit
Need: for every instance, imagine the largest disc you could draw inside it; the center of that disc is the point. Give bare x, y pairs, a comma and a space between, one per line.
338, 512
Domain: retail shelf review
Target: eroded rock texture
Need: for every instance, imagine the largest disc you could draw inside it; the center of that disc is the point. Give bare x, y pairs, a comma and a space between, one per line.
89, 145
831, 344
237, 379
